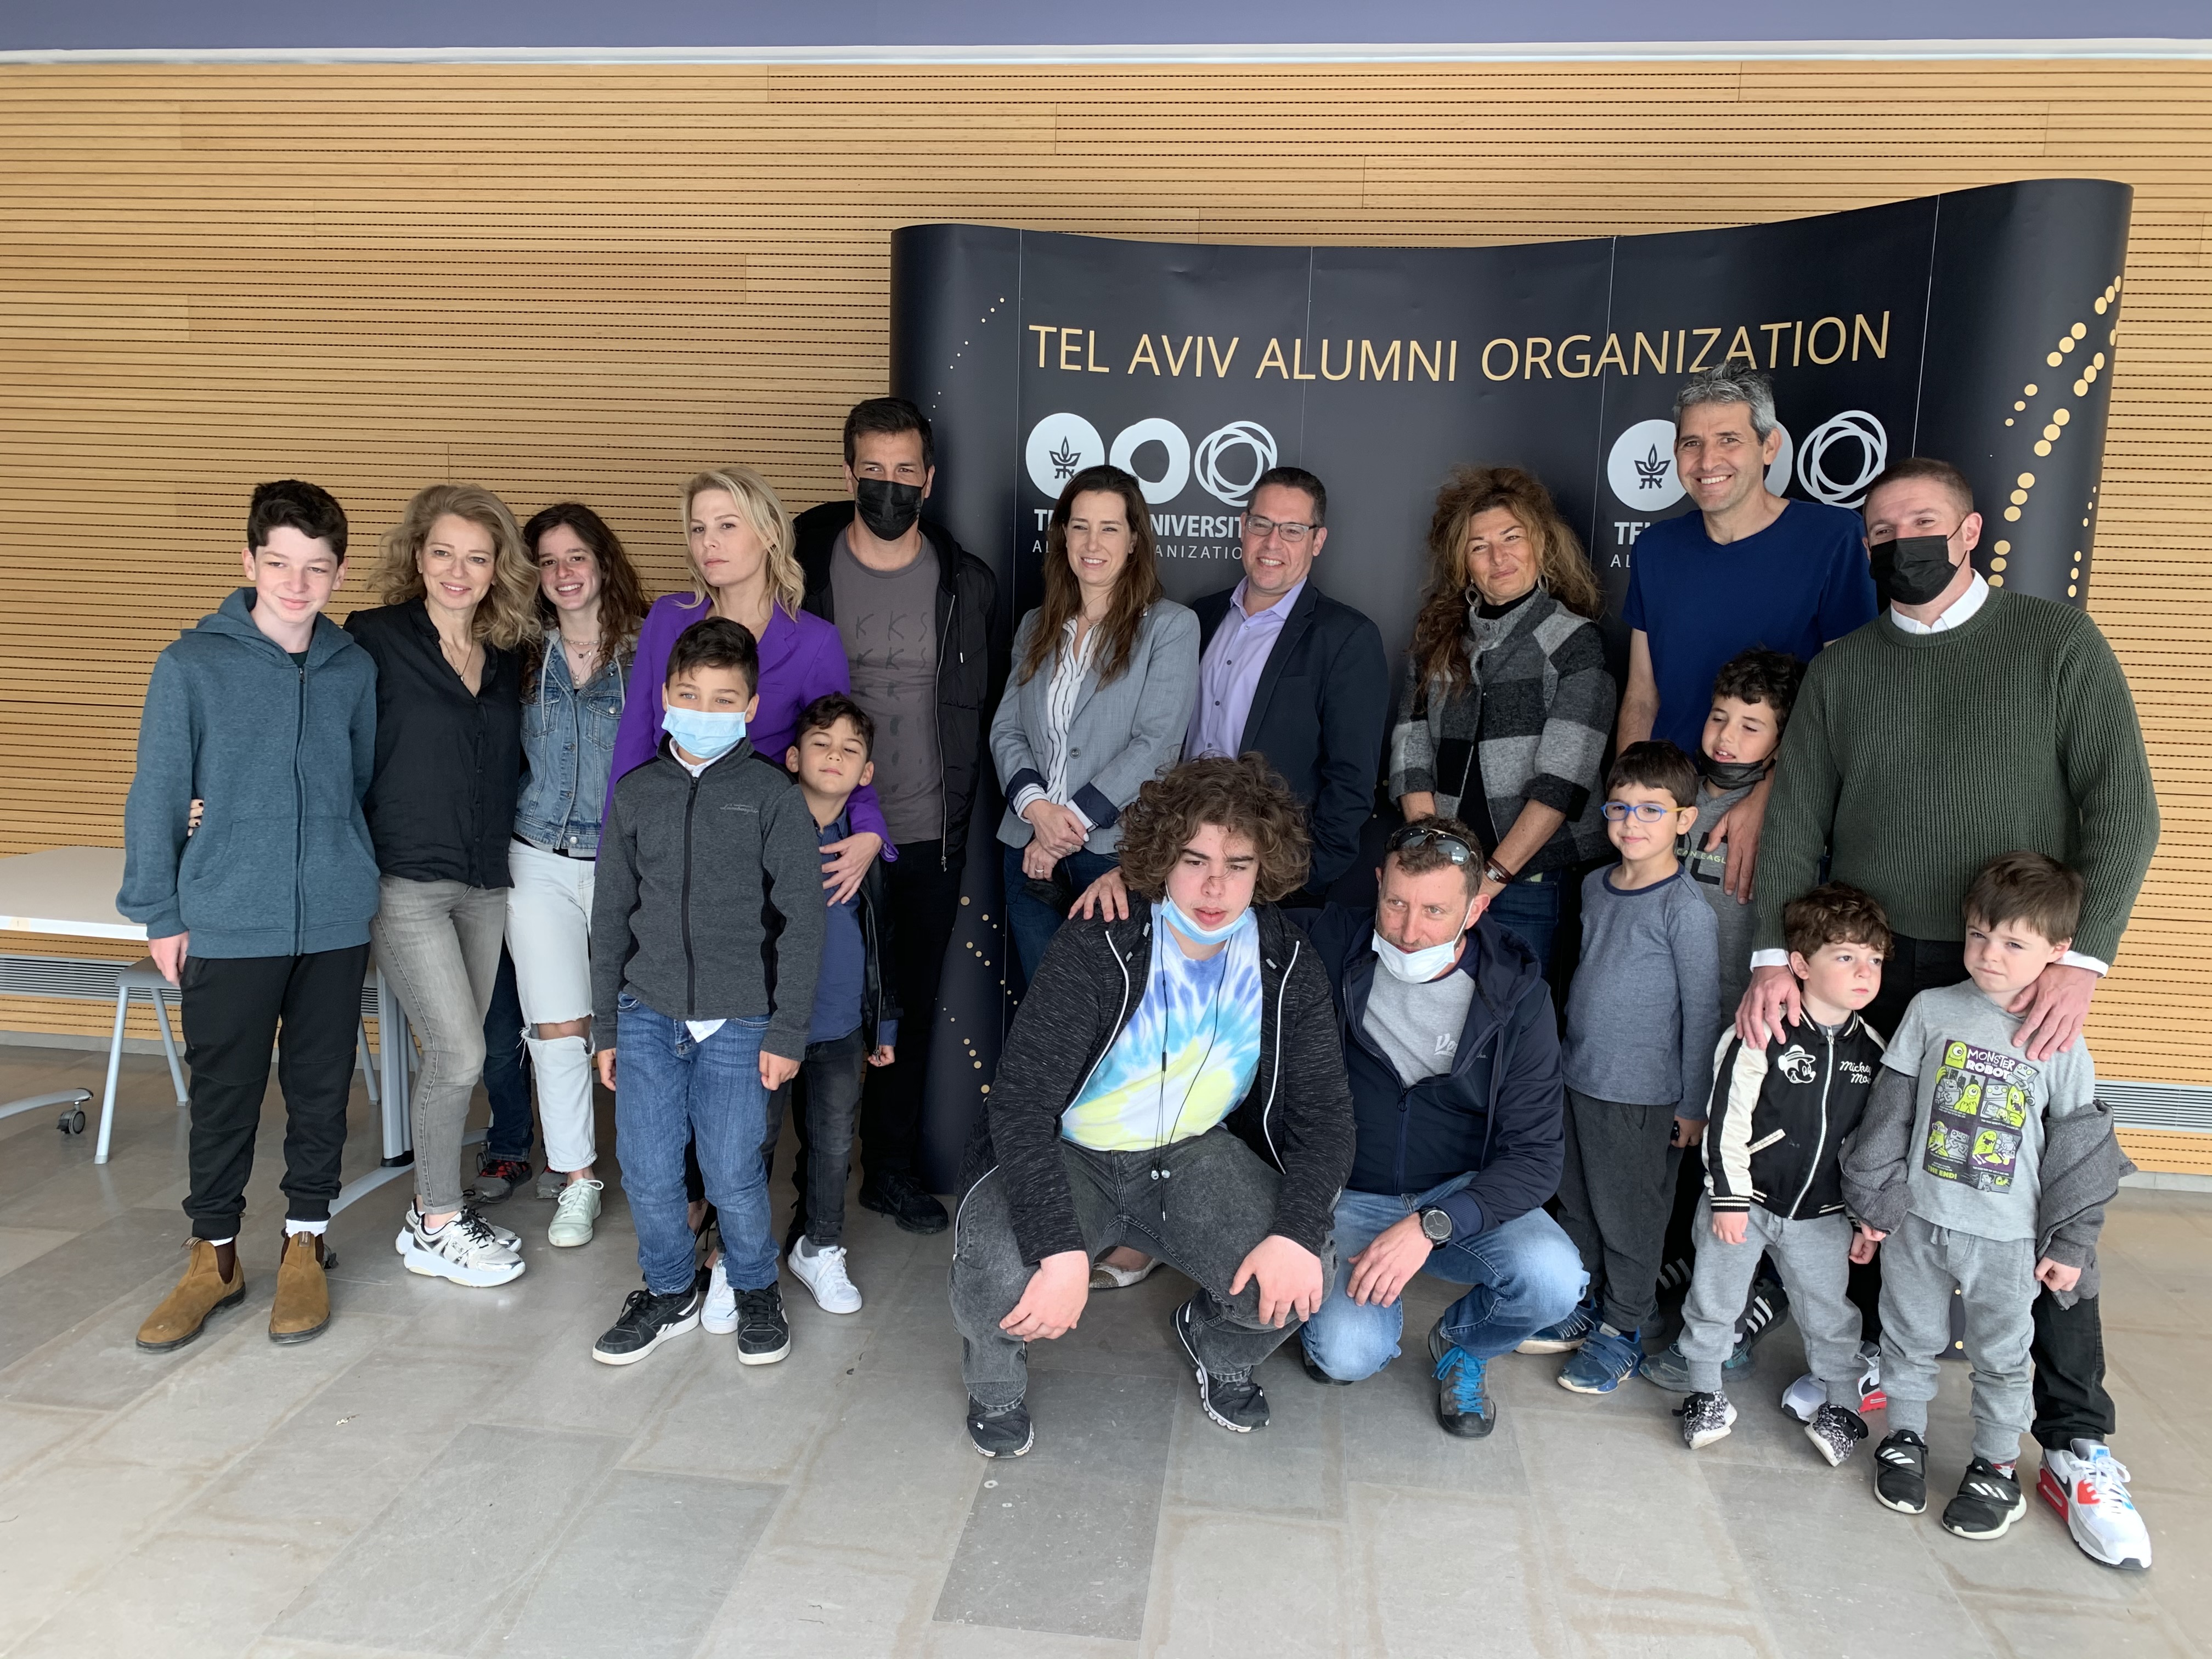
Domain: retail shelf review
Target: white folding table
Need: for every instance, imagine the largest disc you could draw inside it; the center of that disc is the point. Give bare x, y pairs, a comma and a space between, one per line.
69, 891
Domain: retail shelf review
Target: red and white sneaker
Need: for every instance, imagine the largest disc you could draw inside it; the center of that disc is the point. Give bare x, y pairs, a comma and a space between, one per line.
1803, 1399
2089, 1486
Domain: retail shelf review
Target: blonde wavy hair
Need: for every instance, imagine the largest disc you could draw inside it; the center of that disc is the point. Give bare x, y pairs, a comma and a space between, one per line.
766, 513
508, 618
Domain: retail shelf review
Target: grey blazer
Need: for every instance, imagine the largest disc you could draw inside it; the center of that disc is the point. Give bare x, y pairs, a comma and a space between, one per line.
1119, 736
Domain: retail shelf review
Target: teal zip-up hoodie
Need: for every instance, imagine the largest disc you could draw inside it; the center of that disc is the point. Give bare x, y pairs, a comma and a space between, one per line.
282, 755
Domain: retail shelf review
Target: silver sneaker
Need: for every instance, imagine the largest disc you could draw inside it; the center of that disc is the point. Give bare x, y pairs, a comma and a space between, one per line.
465, 1250
506, 1236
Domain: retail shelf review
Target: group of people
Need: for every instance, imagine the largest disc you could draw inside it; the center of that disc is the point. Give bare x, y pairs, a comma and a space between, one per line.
1755, 982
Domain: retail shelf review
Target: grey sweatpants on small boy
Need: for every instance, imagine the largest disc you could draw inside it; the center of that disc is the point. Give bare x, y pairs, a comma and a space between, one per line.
1814, 1256
1996, 1278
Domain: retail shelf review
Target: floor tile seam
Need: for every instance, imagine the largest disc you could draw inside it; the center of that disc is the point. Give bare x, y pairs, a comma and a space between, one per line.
94, 1421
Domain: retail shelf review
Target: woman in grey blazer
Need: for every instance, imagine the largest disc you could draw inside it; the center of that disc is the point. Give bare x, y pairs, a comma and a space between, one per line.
1105, 673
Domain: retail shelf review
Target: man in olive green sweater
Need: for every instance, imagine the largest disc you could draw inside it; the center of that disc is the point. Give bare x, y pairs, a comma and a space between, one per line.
1963, 722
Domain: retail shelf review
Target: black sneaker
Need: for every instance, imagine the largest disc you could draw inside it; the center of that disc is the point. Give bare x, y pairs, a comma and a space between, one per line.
1317, 1374
496, 1178
1768, 1306
1988, 1503
1900, 1475
1837, 1431
1705, 1418
999, 1430
647, 1320
1231, 1398
900, 1196
763, 1334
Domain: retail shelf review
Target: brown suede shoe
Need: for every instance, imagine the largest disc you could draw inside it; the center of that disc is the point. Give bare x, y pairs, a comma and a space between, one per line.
184, 1310
303, 1294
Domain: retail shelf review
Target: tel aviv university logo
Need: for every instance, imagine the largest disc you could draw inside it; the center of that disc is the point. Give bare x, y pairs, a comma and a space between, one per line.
1835, 465
1227, 462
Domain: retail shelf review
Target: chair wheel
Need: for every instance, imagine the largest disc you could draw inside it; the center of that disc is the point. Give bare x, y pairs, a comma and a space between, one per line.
71, 1122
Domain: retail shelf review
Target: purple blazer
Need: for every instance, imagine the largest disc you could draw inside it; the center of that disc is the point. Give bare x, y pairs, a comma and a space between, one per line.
801, 657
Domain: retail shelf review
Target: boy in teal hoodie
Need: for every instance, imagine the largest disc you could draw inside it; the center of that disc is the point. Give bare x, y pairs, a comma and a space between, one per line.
265, 714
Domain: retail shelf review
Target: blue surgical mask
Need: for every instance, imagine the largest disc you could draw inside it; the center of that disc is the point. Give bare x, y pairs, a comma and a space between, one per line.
703, 735
1415, 967
1197, 935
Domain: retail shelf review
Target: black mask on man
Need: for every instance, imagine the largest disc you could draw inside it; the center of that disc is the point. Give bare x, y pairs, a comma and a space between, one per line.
1912, 570
888, 509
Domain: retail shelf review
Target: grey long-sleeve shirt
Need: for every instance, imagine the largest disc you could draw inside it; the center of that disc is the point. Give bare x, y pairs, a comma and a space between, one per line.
1642, 1016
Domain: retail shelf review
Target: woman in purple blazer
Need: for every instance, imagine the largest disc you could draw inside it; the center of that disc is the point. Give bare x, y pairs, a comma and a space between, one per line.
739, 541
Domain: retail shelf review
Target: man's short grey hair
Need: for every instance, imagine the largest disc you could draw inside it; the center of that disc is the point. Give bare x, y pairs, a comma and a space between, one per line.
1731, 383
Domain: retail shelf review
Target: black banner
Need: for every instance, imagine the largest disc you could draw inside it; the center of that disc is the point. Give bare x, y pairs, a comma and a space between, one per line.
1978, 326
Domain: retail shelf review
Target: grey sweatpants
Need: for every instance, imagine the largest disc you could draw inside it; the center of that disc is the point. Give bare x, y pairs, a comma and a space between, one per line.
1996, 1277
1814, 1256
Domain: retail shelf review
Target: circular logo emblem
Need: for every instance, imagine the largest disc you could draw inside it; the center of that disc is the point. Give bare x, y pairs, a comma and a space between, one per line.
1258, 444
1166, 433
1060, 446
1640, 467
1842, 457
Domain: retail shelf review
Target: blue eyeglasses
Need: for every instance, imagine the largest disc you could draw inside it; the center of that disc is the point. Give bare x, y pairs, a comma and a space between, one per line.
1643, 812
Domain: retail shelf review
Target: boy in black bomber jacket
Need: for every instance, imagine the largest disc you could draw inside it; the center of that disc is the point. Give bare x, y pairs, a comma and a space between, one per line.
1777, 1120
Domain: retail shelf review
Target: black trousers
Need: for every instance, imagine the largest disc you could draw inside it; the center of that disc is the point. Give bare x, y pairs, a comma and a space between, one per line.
233, 1009
923, 898
2070, 1401
824, 1104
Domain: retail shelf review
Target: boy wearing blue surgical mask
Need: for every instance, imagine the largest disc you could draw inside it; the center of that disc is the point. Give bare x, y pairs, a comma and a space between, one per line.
706, 929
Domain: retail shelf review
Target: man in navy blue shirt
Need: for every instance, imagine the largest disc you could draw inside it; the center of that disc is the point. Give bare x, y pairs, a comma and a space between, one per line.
1749, 568
1453, 1053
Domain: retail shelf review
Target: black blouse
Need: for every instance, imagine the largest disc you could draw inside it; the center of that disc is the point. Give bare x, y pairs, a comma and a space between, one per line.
448, 765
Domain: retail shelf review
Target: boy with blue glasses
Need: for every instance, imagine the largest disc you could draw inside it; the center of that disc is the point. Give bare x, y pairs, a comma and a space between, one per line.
1641, 1021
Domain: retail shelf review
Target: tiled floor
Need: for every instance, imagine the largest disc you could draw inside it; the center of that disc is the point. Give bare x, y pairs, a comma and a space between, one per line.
446, 1472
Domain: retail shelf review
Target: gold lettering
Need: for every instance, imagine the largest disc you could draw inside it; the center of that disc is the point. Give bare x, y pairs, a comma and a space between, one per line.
1812, 344
1774, 332
1069, 339
1174, 363
1574, 374
1511, 368
1643, 349
1880, 347
1798, 342
1682, 341
1612, 355
1741, 347
1345, 373
1144, 355
1044, 332
1272, 355
1221, 360
1368, 359
1532, 359
1417, 359
1091, 353
1299, 360
1708, 335
1452, 374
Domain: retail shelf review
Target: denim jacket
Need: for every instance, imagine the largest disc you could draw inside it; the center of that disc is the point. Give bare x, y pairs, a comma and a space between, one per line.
568, 738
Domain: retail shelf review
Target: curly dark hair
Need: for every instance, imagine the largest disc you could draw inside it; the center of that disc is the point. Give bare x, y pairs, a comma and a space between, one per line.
1834, 913
1759, 675
1246, 797
1440, 630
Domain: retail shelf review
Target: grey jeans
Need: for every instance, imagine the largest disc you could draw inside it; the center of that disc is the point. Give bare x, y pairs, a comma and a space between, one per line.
439, 942
1217, 1201
1814, 1257
1996, 1277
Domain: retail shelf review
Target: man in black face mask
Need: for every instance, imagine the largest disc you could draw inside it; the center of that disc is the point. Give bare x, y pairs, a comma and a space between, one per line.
915, 611
1964, 722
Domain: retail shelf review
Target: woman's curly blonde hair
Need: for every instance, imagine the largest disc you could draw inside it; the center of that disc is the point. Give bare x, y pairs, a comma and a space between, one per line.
507, 616
1246, 797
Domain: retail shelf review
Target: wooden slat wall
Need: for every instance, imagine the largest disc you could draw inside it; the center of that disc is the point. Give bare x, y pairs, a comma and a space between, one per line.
586, 281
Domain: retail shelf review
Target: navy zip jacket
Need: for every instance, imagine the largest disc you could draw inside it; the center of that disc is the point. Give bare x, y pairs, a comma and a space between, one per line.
282, 753
1496, 1116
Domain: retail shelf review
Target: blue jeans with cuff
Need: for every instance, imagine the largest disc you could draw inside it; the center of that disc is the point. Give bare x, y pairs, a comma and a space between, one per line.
1032, 921
1526, 1274
669, 1089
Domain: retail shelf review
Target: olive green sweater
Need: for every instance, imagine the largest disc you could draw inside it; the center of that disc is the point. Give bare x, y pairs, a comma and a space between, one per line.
1915, 758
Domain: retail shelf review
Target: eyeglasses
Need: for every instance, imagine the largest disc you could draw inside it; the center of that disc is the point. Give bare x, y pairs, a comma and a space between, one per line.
1260, 529
1413, 836
1643, 812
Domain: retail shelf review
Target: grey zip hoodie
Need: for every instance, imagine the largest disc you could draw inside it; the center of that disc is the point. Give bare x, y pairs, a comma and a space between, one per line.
282, 753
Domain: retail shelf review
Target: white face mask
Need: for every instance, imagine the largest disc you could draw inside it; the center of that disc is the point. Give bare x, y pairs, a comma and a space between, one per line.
1415, 967
1197, 935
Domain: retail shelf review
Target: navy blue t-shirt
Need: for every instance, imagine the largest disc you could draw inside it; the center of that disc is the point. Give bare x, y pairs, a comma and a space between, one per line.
1798, 583
843, 979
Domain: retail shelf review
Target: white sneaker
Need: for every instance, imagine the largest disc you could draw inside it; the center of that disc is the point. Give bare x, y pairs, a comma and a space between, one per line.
506, 1235
464, 1250
1803, 1399
719, 1315
821, 1269
2089, 1486
573, 1216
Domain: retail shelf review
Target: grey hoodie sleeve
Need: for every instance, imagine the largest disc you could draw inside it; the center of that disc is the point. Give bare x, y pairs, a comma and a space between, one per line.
614, 901
1875, 1155
1697, 972
790, 858
159, 803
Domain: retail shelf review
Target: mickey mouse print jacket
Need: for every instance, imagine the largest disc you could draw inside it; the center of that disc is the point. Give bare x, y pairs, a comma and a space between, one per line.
1779, 1116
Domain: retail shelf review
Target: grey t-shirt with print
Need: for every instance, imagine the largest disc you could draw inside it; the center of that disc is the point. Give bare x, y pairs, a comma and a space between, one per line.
1419, 1026
1977, 1133
1735, 923
888, 620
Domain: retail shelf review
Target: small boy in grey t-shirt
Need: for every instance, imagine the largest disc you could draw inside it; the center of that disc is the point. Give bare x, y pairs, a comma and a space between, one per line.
1945, 1175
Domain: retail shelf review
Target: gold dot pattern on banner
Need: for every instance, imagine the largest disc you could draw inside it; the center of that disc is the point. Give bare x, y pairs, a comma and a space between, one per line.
2019, 497
2004, 547
2053, 360
1997, 581
2008, 420
1996, 566
2029, 388
2017, 407
2081, 330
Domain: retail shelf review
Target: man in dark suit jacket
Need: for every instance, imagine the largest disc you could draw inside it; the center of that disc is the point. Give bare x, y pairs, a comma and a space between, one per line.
1297, 675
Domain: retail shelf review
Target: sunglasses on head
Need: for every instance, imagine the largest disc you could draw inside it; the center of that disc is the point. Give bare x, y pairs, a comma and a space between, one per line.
1414, 836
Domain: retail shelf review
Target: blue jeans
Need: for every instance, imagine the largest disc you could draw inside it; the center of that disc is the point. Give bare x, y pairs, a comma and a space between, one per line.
1530, 911
1031, 920
507, 1070
670, 1089
1525, 1275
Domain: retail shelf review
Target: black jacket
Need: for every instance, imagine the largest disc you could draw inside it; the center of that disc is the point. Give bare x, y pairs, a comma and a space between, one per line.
1298, 1114
448, 765
879, 1002
1497, 1113
707, 903
970, 657
1776, 1123
1319, 715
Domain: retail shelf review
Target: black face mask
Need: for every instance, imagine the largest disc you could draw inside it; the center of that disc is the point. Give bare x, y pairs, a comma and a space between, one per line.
1733, 775
1912, 570
888, 509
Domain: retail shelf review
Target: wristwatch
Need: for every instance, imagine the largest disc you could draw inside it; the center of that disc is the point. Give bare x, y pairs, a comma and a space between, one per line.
1436, 1226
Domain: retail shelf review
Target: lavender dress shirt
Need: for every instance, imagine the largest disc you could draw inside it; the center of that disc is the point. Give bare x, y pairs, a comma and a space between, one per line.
1229, 675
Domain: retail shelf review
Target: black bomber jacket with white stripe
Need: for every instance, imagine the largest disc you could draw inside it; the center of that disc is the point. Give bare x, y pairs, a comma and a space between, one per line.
1779, 1114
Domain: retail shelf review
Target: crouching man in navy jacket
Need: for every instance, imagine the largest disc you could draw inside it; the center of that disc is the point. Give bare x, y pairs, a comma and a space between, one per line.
1453, 1052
